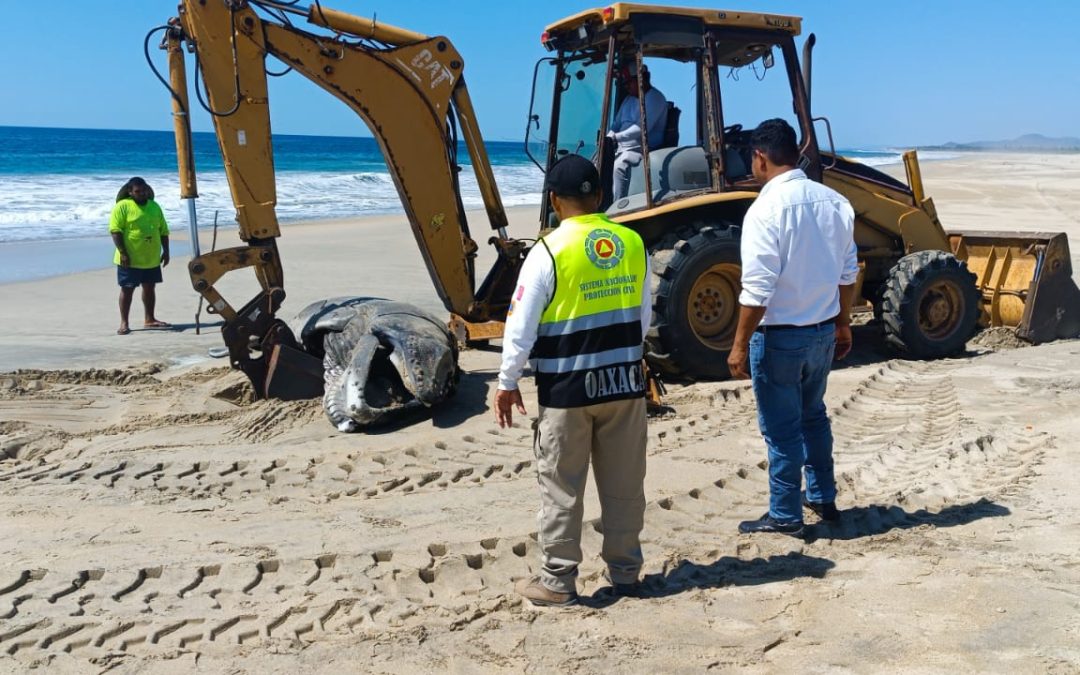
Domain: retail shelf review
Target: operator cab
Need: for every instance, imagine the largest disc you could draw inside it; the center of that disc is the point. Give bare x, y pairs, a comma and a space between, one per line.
699, 80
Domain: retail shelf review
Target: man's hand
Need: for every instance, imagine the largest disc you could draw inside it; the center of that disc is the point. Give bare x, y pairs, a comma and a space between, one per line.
164, 258
125, 261
736, 362
749, 319
505, 402
843, 340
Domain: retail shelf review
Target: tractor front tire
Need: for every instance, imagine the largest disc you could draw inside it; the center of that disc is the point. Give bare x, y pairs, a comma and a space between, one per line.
930, 306
696, 284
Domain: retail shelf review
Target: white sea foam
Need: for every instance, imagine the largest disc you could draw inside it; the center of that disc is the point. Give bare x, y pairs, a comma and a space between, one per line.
896, 156
55, 206
50, 206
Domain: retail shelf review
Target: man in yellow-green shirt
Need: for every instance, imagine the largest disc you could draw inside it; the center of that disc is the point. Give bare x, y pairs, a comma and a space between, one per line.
141, 236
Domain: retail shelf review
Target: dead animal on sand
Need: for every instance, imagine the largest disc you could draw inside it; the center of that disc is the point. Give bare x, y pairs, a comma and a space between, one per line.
380, 358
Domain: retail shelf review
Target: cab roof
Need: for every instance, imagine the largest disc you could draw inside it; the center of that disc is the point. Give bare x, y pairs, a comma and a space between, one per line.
620, 13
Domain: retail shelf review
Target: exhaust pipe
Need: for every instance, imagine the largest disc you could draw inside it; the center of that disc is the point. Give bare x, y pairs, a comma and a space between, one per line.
807, 68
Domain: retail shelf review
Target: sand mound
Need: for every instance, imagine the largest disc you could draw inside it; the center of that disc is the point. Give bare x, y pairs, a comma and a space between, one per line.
998, 338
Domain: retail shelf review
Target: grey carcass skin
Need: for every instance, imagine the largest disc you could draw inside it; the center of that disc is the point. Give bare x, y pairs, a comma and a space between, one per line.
380, 358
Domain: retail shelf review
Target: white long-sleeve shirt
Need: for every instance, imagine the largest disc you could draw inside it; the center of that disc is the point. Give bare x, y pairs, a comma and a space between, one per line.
626, 127
798, 247
536, 286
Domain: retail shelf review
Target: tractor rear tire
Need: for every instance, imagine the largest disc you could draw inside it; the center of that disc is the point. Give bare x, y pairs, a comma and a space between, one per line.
696, 284
930, 306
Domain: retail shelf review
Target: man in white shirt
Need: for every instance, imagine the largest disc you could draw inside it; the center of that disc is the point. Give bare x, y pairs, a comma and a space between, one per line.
580, 313
799, 269
625, 129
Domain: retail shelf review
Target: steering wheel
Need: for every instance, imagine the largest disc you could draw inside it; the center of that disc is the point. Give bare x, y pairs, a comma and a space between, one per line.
734, 129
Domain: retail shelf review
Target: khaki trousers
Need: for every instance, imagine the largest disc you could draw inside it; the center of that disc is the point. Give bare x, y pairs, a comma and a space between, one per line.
613, 436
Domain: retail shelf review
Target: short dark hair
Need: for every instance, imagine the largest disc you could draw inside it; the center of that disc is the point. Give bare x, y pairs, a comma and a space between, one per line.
776, 140
125, 191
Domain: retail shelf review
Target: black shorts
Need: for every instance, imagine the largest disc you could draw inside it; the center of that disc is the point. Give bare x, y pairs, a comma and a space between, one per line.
130, 277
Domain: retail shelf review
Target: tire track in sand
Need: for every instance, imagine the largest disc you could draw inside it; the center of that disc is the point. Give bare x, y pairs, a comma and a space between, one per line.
902, 441
467, 461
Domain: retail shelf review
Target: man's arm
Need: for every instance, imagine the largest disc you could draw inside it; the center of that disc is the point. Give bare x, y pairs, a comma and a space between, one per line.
118, 241
760, 252
535, 285
848, 279
627, 123
630, 133
164, 238
116, 231
843, 322
759, 249
749, 318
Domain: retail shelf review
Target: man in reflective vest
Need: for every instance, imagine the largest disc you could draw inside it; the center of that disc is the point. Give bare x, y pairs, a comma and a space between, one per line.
580, 313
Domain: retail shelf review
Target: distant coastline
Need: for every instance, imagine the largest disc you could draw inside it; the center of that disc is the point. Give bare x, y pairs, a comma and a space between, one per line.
1025, 143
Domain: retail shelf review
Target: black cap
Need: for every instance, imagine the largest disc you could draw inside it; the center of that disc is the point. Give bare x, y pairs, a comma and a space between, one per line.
573, 176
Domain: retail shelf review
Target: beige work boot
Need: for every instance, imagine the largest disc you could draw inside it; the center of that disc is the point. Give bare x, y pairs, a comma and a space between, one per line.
538, 594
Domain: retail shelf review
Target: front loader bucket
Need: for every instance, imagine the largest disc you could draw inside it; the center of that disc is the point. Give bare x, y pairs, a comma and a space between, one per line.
1026, 281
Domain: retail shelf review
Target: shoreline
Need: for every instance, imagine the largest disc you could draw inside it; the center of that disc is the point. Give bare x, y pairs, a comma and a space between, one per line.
39, 259
320, 259
26, 260
42, 259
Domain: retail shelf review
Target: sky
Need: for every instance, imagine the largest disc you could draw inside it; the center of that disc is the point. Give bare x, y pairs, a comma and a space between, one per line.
887, 74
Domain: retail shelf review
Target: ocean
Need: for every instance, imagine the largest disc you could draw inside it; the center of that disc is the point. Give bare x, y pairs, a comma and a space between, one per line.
58, 186
62, 183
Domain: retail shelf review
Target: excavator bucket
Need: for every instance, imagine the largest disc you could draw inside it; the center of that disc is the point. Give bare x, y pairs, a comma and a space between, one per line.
1026, 281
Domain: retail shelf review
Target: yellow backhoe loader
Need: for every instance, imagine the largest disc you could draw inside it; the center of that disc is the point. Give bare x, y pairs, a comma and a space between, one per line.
686, 198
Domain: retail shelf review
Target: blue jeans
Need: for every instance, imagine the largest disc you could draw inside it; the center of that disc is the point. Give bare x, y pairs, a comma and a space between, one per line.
789, 369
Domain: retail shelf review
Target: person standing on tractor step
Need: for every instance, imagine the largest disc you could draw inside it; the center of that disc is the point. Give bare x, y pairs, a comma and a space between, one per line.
798, 273
580, 312
141, 236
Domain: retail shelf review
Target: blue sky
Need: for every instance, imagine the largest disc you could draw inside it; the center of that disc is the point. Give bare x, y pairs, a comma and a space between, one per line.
885, 73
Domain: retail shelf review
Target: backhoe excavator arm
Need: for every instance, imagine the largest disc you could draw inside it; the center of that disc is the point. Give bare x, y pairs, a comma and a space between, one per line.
408, 89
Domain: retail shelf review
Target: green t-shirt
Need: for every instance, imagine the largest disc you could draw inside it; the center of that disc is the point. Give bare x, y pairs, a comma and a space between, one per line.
142, 227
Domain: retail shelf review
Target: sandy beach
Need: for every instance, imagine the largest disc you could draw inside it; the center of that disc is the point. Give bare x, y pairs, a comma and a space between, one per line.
154, 522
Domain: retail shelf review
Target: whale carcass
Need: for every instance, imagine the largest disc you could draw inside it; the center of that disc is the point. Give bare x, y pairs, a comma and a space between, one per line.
380, 358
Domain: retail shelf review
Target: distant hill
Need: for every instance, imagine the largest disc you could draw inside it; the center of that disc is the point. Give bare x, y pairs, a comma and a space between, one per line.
1025, 143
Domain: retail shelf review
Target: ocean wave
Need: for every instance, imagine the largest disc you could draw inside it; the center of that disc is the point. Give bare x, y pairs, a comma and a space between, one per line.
59, 206
895, 156
65, 206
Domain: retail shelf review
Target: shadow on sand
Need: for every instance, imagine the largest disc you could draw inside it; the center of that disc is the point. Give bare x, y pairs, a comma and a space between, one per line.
726, 571
469, 401
854, 523
867, 521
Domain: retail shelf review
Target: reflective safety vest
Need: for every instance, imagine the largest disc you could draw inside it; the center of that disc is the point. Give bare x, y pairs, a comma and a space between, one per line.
588, 348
